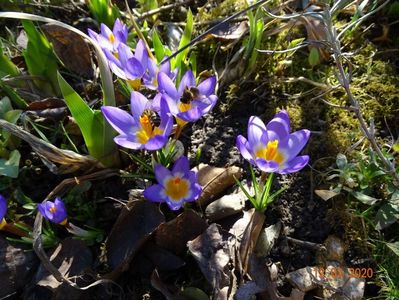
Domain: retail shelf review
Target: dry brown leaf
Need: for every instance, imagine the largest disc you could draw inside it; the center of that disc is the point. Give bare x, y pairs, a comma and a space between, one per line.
71, 257
70, 48
175, 234
16, 265
250, 237
326, 194
215, 180
69, 161
48, 108
136, 222
215, 253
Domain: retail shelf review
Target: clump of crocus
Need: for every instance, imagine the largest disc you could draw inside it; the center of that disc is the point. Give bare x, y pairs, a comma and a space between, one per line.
189, 102
54, 211
128, 66
174, 187
110, 40
273, 149
3, 210
143, 129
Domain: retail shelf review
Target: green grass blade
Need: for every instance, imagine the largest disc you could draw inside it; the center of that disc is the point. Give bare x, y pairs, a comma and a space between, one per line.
186, 38
40, 59
159, 48
91, 123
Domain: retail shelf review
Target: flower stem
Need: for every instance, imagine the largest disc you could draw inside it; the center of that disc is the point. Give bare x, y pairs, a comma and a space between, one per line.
265, 188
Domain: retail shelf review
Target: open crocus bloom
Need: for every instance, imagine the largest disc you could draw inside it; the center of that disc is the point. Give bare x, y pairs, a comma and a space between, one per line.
142, 129
54, 211
128, 66
189, 102
175, 187
108, 39
3, 210
272, 148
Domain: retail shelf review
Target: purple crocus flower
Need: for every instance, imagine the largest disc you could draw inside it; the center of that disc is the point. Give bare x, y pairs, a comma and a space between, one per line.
128, 66
142, 129
190, 101
54, 211
174, 187
150, 78
108, 39
272, 148
3, 210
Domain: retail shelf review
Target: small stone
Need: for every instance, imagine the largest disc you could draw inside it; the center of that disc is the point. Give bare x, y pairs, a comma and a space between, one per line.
303, 279
335, 248
226, 206
354, 289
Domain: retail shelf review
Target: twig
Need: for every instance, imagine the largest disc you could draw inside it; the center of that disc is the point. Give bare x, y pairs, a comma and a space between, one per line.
161, 9
310, 245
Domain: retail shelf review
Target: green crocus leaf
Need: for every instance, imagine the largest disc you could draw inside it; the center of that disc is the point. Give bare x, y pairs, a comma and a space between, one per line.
10, 167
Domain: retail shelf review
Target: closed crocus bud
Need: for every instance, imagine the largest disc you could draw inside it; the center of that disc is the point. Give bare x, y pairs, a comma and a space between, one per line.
3, 210
54, 211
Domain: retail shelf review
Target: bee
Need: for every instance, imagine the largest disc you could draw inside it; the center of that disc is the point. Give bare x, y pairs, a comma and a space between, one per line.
154, 118
189, 94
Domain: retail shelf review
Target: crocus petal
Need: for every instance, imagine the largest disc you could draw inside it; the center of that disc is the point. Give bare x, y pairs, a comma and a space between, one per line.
156, 103
42, 209
47, 211
141, 53
92, 34
165, 67
171, 103
166, 85
138, 103
191, 115
196, 191
161, 174
105, 31
207, 87
128, 141
243, 147
256, 128
266, 166
124, 53
3, 207
280, 124
187, 80
294, 143
181, 165
133, 68
156, 142
295, 165
119, 119
174, 205
154, 193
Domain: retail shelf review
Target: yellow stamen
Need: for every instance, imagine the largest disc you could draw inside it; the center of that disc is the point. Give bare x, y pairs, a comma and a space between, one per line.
3, 223
270, 152
111, 38
135, 84
183, 107
177, 188
53, 209
147, 130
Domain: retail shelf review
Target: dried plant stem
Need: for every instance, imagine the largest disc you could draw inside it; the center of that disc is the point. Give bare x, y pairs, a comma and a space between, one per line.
344, 80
